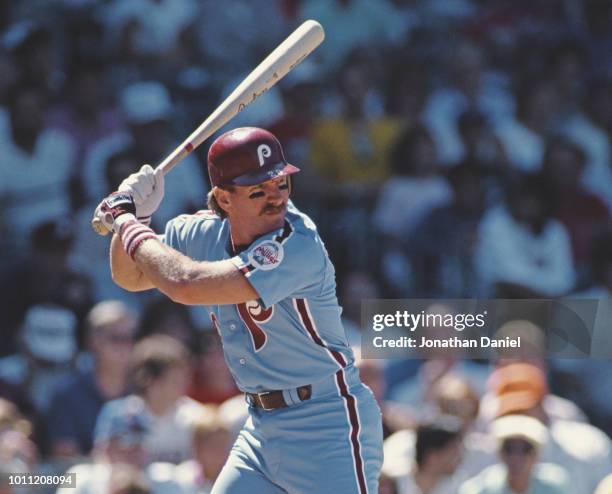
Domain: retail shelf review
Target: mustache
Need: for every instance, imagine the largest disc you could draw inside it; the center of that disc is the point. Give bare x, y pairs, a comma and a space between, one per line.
271, 208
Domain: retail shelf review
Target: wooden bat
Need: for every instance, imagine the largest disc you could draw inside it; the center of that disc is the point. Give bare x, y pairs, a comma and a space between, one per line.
272, 69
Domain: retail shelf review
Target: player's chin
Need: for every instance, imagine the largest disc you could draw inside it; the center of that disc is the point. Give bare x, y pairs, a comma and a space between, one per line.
274, 218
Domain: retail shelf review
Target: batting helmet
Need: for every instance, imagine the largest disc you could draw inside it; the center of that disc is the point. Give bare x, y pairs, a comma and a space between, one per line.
247, 156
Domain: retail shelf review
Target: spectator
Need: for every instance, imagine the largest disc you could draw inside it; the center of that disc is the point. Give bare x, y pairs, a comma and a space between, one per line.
416, 391
582, 213
583, 450
523, 137
520, 440
443, 242
47, 350
522, 251
87, 114
35, 48
482, 147
41, 277
160, 379
452, 395
529, 363
18, 453
407, 89
351, 150
47, 347
119, 447
212, 441
76, 403
414, 189
437, 454
415, 178
35, 167
470, 87
568, 64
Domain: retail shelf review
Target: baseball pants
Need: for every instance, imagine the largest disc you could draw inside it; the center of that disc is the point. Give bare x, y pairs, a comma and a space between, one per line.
331, 443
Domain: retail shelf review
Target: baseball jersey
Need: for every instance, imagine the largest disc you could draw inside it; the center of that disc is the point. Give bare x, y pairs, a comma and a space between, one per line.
292, 335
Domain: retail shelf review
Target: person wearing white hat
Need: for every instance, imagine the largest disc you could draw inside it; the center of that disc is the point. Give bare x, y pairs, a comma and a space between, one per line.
519, 439
48, 347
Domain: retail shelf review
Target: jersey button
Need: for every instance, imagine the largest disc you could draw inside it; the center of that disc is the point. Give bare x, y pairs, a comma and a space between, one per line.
242, 361
232, 327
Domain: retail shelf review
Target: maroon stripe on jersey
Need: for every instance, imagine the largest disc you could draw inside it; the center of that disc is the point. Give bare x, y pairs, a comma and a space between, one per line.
308, 323
353, 416
257, 334
285, 233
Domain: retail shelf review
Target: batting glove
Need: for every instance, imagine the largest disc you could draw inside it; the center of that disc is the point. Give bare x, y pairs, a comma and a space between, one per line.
115, 210
147, 188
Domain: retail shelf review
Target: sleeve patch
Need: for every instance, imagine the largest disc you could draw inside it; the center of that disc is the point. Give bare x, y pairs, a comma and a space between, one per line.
267, 255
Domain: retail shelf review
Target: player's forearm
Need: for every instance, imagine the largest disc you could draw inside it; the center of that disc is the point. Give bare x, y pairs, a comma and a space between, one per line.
124, 271
192, 282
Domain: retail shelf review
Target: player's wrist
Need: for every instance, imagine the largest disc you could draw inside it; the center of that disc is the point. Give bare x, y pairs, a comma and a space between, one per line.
133, 233
122, 220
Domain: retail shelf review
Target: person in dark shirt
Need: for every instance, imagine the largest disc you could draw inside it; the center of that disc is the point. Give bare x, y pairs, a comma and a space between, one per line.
77, 401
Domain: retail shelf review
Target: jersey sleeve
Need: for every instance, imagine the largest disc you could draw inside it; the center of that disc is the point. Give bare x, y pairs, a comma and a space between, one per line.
175, 234
285, 265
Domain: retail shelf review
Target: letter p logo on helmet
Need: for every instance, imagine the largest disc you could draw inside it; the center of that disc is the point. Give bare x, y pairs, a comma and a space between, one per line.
263, 151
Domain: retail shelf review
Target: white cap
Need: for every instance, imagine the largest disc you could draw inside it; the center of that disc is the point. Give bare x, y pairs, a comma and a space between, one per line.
48, 333
145, 102
520, 427
109, 312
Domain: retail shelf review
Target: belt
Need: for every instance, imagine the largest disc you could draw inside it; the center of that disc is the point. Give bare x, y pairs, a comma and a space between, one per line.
272, 400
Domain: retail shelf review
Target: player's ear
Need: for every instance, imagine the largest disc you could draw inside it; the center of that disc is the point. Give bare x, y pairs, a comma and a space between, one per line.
223, 198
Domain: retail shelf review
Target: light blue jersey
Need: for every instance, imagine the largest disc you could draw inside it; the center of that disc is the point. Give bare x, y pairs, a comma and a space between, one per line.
292, 335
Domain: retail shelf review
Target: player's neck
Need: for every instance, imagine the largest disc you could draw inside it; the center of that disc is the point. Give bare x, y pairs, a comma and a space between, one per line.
245, 233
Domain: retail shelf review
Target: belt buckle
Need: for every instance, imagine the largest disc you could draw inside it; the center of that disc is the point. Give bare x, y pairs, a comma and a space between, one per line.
259, 395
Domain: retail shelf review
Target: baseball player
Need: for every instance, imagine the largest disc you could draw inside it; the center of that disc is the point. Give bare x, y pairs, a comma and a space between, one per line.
259, 267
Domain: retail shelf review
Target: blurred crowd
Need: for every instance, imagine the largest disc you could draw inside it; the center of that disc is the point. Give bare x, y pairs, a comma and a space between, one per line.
449, 149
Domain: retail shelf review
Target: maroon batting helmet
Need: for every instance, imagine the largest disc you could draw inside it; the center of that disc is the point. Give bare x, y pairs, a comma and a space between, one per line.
247, 156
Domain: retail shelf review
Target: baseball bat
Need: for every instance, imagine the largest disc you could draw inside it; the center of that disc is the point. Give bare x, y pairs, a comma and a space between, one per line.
272, 69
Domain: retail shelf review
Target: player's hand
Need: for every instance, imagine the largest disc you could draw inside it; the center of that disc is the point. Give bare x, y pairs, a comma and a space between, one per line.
147, 188
115, 210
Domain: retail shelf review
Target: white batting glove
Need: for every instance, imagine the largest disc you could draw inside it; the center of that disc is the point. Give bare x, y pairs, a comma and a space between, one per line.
147, 188
116, 209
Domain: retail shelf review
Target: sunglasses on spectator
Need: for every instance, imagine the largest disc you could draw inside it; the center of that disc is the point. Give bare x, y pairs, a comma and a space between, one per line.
517, 446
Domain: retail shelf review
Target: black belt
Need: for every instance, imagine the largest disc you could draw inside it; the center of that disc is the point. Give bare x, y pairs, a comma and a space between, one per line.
272, 400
